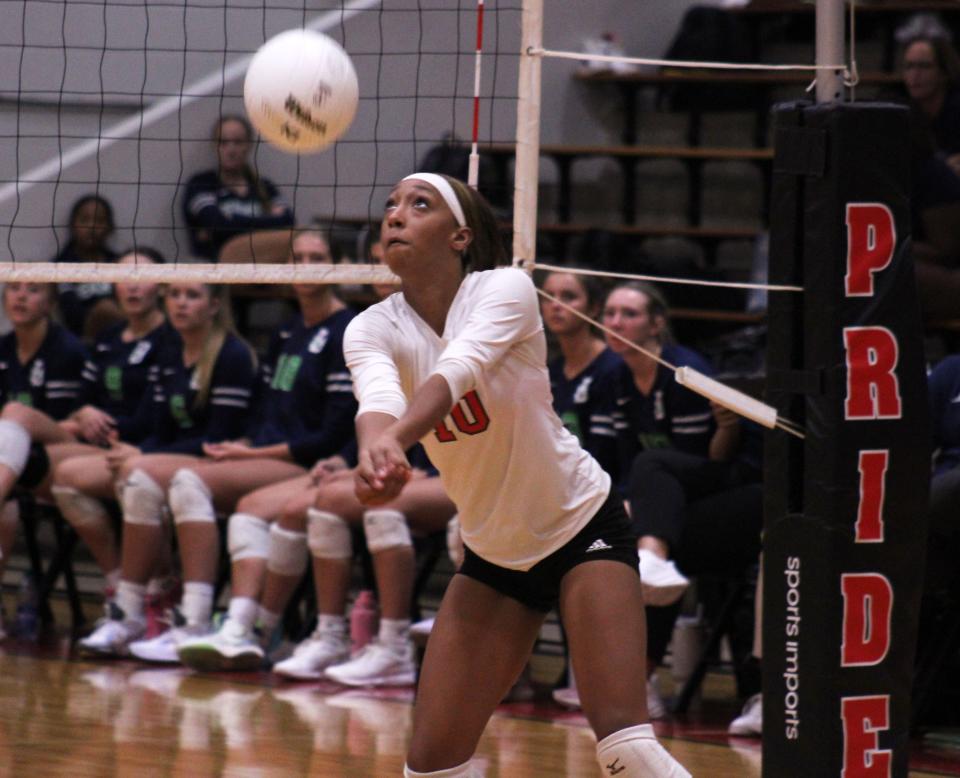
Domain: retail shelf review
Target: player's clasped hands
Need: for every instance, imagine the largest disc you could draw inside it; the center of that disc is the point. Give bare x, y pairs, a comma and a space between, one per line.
382, 471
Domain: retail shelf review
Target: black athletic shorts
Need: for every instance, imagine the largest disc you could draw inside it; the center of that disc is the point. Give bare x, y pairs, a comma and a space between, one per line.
37, 467
608, 535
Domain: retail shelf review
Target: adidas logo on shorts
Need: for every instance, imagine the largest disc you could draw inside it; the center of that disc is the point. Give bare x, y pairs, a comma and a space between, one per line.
598, 545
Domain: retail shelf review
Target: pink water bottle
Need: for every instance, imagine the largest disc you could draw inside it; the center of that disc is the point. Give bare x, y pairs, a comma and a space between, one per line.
363, 619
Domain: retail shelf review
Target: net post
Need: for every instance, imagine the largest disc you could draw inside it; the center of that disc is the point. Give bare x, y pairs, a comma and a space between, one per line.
829, 49
527, 167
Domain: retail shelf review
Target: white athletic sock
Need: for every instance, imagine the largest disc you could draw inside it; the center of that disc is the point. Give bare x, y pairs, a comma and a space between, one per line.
329, 623
243, 610
130, 597
197, 603
635, 753
394, 630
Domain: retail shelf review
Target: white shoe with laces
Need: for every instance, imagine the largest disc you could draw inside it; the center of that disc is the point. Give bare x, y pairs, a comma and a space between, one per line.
750, 722
232, 648
314, 655
113, 634
163, 647
378, 664
662, 583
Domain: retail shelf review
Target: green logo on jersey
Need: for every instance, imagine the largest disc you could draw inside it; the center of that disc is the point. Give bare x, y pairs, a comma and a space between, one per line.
287, 368
25, 398
113, 381
178, 408
572, 422
649, 440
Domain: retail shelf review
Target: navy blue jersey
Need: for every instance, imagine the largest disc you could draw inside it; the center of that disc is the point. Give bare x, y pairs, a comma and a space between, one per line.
306, 400
76, 300
50, 381
116, 376
670, 416
176, 426
582, 403
944, 390
215, 213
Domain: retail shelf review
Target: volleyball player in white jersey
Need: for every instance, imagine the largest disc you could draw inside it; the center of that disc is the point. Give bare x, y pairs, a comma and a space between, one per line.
458, 360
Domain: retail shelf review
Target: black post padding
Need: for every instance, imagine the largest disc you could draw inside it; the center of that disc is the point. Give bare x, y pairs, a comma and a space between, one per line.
828, 158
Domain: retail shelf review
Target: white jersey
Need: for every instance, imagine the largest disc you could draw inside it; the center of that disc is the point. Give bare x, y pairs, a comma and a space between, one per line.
522, 484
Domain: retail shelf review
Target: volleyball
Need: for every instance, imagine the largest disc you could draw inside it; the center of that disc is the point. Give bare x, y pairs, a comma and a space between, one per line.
301, 91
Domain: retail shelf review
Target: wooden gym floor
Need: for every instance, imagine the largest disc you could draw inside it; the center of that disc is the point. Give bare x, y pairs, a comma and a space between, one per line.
60, 715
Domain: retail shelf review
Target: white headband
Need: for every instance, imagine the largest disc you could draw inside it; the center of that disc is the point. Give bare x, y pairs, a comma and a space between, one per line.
441, 184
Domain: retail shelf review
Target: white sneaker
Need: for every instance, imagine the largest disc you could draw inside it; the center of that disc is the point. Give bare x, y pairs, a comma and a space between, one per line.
314, 655
231, 648
662, 582
163, 647
377, 664
656, 707
750, 722
113, 634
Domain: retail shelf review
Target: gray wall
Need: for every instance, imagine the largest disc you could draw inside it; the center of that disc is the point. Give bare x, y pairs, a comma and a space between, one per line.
72, 71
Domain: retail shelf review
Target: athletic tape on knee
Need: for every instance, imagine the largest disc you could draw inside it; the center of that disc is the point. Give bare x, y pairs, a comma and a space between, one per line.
634, 752
288, 552
190, 498
328, 536
80, 510
14, 445
464, 770
385, 529
143, 500
248, 537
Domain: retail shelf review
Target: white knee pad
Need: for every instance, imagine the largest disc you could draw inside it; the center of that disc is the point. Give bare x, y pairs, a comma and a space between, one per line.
248, 537
385, 529
288, 551
464, 770
634, 752
14, 445
190, 498
328, 536
454, 541
143, 500
77, 508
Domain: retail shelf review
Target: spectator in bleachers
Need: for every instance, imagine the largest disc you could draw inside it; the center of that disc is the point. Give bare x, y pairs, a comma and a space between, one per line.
304, 413
87, 308
40, 385
931, 75
116, 381
202, 395
233, 199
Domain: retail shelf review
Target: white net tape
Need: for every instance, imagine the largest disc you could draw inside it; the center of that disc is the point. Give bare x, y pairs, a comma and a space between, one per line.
70, 272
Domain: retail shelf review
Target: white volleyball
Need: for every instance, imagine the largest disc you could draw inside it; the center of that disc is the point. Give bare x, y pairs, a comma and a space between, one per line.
301, 91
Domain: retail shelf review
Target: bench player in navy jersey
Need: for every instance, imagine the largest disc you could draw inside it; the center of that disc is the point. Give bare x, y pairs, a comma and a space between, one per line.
201, 394
582, 375
115, 383
304, 413
40, 365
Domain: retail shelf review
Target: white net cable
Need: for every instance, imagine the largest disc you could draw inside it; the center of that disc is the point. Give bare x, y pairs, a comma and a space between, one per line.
730, 398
